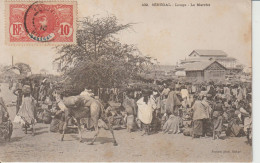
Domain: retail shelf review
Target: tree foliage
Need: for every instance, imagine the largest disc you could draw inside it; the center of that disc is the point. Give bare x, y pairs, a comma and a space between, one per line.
99, 59
23, 68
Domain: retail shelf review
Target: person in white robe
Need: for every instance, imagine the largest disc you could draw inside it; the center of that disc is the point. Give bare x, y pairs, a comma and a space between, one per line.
146, 106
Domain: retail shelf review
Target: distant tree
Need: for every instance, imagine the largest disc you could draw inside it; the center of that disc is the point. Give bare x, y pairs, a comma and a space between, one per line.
99, 59
23, 68
7, 73
44, 71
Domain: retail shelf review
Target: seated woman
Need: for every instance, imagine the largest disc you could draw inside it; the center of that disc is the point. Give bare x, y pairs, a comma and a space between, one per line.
6, 126
4, 115
115, 117
234, 129
173, 124
57, 122
164, 118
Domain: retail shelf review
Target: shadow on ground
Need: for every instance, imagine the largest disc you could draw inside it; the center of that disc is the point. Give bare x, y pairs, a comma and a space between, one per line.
101, 140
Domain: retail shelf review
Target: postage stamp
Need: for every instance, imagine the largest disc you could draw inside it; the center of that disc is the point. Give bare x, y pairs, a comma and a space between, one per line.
40, 22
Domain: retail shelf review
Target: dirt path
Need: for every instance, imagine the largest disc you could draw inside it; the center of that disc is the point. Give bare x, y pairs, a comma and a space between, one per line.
45, 146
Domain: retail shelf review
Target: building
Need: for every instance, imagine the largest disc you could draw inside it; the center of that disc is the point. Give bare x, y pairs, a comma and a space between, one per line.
160, 72
220, 56
205, 70
167, 70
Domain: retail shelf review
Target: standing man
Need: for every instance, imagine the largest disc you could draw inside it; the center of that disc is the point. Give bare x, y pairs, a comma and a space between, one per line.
11, 83
19, 94
165, 91
146, 107
131, 109
172, 102
217, 118
164, 96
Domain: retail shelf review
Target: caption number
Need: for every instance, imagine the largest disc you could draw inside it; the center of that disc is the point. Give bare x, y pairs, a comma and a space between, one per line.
64, 29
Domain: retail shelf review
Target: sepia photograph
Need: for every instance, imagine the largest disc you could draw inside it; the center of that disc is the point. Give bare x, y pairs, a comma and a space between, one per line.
126, 81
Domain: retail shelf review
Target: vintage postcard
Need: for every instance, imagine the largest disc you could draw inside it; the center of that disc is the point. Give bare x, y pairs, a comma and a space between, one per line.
125, 81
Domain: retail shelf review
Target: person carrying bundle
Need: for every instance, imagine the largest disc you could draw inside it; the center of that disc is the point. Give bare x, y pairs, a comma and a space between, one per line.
26, 113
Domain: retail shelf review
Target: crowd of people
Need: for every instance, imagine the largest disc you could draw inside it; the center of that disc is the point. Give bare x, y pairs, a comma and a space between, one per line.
198, 110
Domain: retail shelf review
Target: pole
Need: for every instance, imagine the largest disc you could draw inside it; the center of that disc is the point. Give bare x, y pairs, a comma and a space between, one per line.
12, 61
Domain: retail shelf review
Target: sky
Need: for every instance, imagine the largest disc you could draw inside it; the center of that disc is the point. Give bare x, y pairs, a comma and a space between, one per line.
166, 33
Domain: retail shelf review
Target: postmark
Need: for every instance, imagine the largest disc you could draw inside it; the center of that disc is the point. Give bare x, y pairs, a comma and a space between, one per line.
40, 22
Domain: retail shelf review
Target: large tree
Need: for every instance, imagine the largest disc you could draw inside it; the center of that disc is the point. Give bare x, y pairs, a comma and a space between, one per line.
99, 59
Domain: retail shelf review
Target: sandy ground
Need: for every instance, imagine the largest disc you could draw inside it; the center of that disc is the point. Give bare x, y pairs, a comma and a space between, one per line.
46, 146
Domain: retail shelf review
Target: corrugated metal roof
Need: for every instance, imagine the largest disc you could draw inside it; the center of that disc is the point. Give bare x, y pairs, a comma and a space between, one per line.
198, 66
226, 58
190, 60
217, 53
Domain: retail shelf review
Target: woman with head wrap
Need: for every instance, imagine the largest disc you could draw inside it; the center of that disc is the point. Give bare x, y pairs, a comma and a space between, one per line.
201, 114
217, 118
27, 109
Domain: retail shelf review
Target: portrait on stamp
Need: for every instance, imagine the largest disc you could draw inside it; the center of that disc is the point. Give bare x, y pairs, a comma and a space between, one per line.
40, 22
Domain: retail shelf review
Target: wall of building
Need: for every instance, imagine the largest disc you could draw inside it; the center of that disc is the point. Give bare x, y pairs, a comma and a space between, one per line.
214, 74
234, 71
207, 75
195, 74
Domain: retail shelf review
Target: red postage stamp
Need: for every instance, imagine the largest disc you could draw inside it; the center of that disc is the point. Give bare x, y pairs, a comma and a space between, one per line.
40, 22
